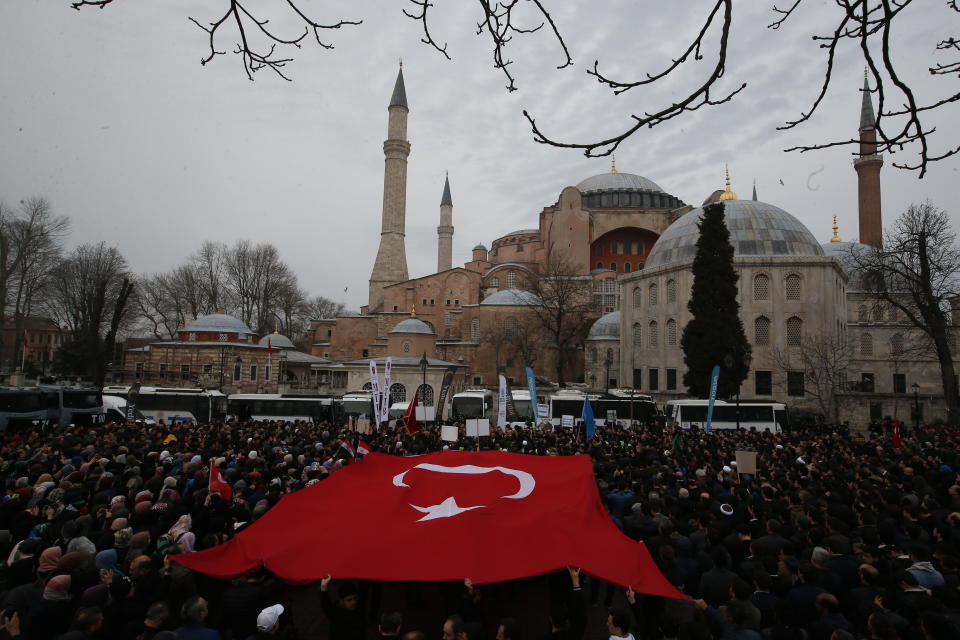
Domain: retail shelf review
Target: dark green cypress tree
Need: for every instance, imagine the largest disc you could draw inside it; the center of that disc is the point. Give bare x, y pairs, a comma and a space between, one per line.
714, 336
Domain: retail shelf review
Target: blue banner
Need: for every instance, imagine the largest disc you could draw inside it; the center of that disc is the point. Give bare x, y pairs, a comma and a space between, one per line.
588, 422
532, 385
714, 379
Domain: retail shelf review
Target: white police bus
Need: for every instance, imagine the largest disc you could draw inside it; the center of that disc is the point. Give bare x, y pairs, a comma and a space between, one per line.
758, 416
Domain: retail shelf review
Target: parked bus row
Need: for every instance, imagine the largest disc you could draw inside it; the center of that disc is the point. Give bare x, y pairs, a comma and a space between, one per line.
20, 407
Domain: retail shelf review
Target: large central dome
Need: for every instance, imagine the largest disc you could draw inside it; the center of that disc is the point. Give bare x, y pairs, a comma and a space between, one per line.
756, 229
618, 182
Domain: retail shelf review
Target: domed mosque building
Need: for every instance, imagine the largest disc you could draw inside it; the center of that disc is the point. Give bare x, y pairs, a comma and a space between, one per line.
788, 289
631, 243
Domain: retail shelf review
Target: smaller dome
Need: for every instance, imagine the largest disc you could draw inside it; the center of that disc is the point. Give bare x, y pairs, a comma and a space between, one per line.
512, 298
412, 325
522, 232
276, 341
606, 327
479, 247
218, 322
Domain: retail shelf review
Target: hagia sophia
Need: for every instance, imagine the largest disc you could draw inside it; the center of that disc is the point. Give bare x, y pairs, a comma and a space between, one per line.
630, 245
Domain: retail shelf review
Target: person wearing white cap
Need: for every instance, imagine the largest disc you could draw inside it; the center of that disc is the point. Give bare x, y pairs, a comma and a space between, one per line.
269, 621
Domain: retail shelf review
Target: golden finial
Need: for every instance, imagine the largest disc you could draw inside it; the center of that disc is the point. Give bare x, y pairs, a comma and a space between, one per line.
413, 311
728, 194
866, 71
836, 236
613, 164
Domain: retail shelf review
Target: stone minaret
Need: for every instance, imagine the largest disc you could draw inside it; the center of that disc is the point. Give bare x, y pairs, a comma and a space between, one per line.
867, 165
390, 266
445, 230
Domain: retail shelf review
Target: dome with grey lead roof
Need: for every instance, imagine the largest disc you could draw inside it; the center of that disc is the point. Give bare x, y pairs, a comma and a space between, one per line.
511, 298
607, 327
617, 182
276, 341
756, 229
412, 325
218, 322
844, 254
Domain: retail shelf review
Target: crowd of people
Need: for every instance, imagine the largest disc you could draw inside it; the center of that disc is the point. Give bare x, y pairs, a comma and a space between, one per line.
836, 536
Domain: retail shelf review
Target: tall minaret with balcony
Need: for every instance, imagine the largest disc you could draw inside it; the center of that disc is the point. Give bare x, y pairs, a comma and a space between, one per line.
445, 230
390, 266
868, 165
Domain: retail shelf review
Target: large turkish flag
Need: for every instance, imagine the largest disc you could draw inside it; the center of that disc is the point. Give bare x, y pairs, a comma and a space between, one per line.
488, 516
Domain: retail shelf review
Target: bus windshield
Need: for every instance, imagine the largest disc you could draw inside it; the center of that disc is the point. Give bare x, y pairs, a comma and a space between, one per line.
522, 408
357, 407
468, 408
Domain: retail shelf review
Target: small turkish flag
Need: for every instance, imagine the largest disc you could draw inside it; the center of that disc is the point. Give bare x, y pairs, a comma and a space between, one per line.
363, 448
269, 346
410, 416
897, 442
218, 484
441, 509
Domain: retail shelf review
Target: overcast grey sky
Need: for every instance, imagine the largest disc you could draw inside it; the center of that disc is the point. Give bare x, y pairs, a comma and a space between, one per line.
109, 115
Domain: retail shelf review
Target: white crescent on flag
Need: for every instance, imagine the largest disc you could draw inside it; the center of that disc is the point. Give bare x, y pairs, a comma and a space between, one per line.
449, 507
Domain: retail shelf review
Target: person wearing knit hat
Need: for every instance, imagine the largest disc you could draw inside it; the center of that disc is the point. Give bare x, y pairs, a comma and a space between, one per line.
118, 524
142, 507
50, 617
121, 538
57, 588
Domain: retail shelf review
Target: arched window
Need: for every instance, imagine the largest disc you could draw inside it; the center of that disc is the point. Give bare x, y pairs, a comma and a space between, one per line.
494, 282
892, 314
398, 393
510, 325
475, 329
425, 395
896, 344
653, 334
613, 266
863, 315
792, 287
878, 314
866, 344
599, 265
637, 343
671, 332
761, 287
636, 298
626, 267
511, 279
671, 290
652, 294
761, 331
794, 331
406, 347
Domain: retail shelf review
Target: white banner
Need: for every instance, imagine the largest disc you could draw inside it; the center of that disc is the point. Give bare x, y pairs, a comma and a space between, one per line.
566, 421
449, 433
385, 397
375, 392
502, 409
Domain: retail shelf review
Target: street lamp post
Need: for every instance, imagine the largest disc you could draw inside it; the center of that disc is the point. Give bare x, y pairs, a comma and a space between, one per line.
424, 363
916, 407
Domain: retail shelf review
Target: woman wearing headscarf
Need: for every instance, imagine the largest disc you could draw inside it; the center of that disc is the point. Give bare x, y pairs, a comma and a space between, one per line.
50, 617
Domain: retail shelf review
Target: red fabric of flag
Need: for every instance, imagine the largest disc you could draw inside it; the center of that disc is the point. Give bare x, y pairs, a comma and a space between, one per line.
269, 346
488, 516
897, 442
218, 484
363, 448
410, 416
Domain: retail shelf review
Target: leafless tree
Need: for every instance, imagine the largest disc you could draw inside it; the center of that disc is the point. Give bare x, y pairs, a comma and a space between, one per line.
526, 339
256, 278
563, 306
917, 271
209, 267
319, 308
824, 359
91, 288
160, 306
37, 235
867, 25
